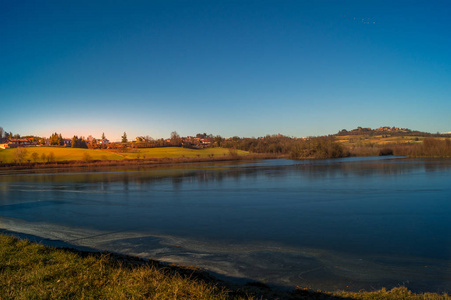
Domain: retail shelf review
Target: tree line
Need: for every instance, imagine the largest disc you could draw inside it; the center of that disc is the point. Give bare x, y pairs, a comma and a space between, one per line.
313, 147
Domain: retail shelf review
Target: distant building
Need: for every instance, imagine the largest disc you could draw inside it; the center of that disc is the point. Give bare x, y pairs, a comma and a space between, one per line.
385, 128
67, 142
14, 143
4, 146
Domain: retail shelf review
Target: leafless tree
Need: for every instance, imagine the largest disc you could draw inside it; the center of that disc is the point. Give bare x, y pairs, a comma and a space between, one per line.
175, 139
20, 154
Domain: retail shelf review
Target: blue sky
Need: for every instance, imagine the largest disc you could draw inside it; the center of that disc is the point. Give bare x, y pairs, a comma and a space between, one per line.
245, 68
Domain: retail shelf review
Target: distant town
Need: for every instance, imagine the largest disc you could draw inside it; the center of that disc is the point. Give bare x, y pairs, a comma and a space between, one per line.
200, 140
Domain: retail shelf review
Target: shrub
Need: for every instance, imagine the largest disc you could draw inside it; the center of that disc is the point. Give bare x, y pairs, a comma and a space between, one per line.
86, 157
51, 157
34, 156
385, 152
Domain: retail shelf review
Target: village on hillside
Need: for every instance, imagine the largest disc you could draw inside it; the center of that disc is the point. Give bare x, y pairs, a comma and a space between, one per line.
198, 141
33, 142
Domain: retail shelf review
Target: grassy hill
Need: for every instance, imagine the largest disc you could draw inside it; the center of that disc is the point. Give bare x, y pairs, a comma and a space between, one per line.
59, 154
353, 140
408, 145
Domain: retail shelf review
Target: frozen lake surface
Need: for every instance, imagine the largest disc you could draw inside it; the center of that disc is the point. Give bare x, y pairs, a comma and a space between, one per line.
325, 224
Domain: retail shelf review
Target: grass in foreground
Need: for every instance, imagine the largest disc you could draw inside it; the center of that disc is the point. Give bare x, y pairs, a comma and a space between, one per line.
33, 271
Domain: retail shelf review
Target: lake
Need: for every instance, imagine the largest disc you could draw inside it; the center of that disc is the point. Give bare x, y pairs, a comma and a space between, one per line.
353, 223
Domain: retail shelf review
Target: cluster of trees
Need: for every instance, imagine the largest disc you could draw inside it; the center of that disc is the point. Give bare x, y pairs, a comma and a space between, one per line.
328, 147
431, 147
175, 140
56, 140
8, 135
277, 144
318, 147
78, 142
314, 147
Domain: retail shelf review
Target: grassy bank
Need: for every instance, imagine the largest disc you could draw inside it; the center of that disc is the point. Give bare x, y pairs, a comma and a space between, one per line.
33, 271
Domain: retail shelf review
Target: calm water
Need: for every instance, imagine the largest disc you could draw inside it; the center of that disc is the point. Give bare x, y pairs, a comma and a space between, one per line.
331, 224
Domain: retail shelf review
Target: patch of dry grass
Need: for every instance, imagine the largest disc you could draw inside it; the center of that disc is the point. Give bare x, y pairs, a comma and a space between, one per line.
32, 271
175, 152
398, 293
57, 154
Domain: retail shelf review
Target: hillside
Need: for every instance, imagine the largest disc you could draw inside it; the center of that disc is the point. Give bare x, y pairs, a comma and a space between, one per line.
394, 140
387, 131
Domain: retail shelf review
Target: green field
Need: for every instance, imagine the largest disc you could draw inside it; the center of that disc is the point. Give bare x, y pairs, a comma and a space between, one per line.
60, 154
175, 152
71, 154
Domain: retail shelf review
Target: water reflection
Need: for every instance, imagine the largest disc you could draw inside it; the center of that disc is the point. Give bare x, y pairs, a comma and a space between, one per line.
218, 172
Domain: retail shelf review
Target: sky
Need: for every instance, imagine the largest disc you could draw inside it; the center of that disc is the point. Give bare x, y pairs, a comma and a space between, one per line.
230, 68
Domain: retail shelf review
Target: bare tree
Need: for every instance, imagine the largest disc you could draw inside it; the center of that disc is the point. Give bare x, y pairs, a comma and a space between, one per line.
20, 154
51, 157
86, 156
175, 139
35, 156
